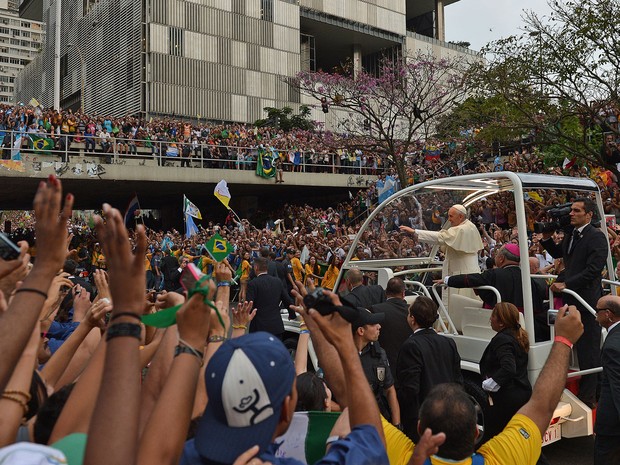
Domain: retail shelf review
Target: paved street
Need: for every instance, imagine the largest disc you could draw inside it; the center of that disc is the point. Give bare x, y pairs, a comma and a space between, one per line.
576, 451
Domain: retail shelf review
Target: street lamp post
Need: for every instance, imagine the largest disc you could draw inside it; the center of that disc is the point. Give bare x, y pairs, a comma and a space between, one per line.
82, 73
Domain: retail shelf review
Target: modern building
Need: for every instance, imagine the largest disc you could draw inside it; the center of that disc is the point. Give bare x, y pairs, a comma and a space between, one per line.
214, 59
20, 41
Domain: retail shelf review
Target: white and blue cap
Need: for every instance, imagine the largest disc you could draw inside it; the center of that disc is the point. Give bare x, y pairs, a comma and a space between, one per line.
247, 380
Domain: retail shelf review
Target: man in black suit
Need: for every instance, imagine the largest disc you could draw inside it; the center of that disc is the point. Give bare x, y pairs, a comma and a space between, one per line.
506, 278
584, 250
394, 330
425, 360
360, 295
267, 292
607, 427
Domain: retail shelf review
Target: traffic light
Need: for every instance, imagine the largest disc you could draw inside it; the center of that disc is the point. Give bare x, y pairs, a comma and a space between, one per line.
324, 105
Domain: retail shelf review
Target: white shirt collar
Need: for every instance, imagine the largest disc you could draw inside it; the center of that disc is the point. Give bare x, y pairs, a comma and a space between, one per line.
612, 326
580, 229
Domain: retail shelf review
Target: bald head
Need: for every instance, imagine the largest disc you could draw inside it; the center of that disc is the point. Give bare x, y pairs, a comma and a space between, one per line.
354, 277
534, 265
608, 310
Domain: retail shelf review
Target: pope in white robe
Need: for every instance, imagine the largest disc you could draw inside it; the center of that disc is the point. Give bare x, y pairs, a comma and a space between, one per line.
460, 242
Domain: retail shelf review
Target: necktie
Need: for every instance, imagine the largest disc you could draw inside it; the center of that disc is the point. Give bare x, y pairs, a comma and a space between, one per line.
573, 240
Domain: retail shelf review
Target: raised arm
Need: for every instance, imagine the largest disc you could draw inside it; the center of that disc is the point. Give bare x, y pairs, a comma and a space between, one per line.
118, 403
550, 383
363, 409
17, 322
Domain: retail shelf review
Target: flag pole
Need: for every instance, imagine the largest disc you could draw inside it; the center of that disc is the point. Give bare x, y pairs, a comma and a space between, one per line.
140, 209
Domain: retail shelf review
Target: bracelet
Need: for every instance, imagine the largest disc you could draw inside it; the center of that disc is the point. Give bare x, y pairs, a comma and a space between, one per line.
563, 340
124, 329
244, 327
17, 399
217, 338
127, 314
304, 331
34, 291
15, 392
223, 284
185, 348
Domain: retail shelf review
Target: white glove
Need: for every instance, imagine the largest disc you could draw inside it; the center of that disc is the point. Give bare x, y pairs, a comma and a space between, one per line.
490, 385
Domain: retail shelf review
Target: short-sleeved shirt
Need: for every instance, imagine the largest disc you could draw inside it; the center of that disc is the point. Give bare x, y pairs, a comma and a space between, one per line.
377, 370
519, 444
362, 446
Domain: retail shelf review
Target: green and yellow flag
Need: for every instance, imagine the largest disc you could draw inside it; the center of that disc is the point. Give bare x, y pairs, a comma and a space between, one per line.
41, 144
218, 247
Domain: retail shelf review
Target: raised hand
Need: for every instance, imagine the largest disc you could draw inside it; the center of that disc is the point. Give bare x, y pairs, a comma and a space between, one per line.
50, 227
127, 277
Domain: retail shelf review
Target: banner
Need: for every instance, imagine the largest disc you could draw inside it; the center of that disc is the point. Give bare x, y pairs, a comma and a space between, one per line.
218, 247
40, 144
265, 166
133, 210
190, 209
190, 227
386, 188
222, 193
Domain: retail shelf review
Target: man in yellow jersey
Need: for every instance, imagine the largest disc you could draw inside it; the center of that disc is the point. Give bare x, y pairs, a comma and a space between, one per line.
448, 410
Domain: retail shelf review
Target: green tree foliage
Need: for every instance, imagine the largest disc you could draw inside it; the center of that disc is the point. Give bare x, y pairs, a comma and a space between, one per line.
559, 80
285, 119
392, 111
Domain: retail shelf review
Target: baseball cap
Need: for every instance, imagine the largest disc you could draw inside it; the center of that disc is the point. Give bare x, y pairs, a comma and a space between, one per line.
247, 380
366, 317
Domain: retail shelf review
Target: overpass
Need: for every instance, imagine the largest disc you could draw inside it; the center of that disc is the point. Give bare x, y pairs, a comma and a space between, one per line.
162, 187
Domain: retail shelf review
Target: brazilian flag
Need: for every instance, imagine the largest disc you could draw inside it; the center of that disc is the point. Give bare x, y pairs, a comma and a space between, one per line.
265, 167
41, 144
218, 247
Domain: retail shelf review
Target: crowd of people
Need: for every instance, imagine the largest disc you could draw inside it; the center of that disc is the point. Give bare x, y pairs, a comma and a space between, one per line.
176, 366
181, 378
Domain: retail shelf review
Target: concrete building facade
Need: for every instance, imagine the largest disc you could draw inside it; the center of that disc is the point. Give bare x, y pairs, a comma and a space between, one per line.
220, 60
20, 42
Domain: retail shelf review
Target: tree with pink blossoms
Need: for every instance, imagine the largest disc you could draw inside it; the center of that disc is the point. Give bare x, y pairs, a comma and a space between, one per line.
393, 111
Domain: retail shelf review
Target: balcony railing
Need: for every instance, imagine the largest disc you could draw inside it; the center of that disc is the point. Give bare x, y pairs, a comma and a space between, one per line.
119, 150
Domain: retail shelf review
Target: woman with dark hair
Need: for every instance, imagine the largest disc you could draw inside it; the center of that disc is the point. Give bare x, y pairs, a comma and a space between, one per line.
503, 367
313, 272
329, 279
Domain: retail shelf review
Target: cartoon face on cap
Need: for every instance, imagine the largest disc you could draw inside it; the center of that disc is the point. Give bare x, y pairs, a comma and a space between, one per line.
244, 395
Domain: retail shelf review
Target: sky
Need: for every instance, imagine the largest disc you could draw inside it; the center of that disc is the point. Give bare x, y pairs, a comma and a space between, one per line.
481, 21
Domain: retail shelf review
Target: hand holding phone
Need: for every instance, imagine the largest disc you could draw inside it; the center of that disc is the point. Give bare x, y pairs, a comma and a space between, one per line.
8, 250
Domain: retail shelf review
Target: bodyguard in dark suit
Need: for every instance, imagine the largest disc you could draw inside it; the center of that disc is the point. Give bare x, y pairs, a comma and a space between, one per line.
425, 360
584, 250
359, 294
607, 427
267, 292
394, 330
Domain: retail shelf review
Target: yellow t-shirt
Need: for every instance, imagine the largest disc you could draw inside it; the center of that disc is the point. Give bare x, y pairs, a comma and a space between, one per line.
245, 270
298, 269
329, 279
399, 447
518, 444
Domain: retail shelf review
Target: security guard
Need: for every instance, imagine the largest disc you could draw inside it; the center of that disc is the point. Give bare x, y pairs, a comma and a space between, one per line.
374, 360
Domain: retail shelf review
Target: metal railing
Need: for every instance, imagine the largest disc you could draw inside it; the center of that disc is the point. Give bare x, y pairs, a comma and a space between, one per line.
116, 150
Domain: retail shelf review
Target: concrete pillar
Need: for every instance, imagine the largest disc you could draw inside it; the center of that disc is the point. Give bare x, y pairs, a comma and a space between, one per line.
357, 59
440, 24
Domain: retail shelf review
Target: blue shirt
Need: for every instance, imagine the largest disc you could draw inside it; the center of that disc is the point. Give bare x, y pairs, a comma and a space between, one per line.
362, 446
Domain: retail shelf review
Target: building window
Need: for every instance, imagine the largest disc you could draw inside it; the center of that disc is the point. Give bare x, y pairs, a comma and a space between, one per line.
176, 41
266, 10
64, 65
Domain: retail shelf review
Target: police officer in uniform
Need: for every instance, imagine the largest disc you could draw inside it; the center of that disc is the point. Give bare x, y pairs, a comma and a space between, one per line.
374, 360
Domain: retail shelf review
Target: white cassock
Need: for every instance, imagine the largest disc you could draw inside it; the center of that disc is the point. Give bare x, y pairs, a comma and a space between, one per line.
461, 245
